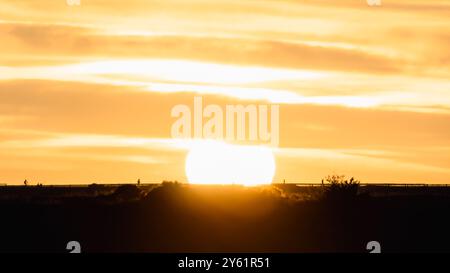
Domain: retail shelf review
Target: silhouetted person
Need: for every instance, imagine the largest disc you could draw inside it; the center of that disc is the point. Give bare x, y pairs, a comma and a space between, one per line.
25, 182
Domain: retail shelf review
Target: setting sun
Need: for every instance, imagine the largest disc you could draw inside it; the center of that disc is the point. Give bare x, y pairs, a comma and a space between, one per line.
221, 163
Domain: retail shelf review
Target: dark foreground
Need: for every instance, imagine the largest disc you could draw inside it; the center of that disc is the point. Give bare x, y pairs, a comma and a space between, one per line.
177, 218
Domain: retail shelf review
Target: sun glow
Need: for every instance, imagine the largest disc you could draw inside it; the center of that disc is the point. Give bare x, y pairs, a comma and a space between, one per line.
220, 163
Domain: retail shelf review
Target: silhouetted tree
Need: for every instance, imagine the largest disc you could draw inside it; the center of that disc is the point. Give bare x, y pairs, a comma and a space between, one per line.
339, 188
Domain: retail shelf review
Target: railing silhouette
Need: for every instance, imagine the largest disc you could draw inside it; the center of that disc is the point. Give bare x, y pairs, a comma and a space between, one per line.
300, 184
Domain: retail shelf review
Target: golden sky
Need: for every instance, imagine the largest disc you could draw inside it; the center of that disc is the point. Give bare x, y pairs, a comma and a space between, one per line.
86, 91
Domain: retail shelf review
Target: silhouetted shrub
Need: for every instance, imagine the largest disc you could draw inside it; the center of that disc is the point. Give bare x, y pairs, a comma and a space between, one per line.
95, 189
167, 190
340, 189
127, 193
167, 183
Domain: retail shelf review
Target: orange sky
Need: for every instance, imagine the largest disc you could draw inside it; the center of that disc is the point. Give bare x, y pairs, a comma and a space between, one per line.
86, 91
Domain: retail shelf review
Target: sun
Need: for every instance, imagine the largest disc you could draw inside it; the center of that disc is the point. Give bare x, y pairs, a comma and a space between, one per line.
212, 162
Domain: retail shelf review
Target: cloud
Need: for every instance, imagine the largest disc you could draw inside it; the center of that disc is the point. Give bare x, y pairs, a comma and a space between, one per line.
75, 108
67, 42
